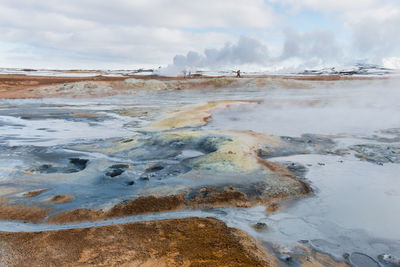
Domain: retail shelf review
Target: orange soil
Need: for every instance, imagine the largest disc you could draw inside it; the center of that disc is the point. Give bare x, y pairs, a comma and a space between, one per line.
178, 242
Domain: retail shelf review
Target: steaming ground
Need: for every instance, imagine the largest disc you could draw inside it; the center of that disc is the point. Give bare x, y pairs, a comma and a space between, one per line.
352, 108
139, 138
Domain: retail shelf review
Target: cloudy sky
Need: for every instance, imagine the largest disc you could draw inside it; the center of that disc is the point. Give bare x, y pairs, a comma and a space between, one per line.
151, 33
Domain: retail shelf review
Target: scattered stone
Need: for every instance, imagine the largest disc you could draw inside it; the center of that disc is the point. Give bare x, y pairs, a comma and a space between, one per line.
285, 257
260, 226
144, 178
389, 259
130, 183
378, 153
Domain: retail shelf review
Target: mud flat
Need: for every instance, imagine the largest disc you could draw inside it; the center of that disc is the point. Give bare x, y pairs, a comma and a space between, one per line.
87, 164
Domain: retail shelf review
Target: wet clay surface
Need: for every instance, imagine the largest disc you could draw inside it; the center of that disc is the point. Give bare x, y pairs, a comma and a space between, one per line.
173, 148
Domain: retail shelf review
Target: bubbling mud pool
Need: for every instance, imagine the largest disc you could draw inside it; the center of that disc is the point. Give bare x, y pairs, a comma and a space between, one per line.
343, 139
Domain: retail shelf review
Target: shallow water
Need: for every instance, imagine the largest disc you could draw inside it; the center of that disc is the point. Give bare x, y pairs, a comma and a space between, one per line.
356, 205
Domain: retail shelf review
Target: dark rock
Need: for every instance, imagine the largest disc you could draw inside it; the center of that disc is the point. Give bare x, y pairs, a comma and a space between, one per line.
210, 143
306, 144
46, 168
115, 172
80, 164
144, 178
117, 169
296, 168
377, 153
260, 226
119, 166
178, 144
285, 257
154, 167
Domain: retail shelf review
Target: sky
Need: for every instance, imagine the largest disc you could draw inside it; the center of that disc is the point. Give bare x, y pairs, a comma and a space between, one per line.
210, 34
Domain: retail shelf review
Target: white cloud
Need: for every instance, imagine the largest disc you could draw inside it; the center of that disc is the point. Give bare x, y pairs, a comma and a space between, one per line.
318, 44
376, 33
131, 33
331, 6
163, 13
373, 24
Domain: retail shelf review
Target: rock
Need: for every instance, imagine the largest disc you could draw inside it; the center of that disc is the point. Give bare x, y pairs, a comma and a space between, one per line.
45, 168
304, 241
144, 178
260, 226
120, 166
115, 172
75, 165
389, 259
154, 167
80, 164
285, 257
306, 144
298, 169
377, 153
